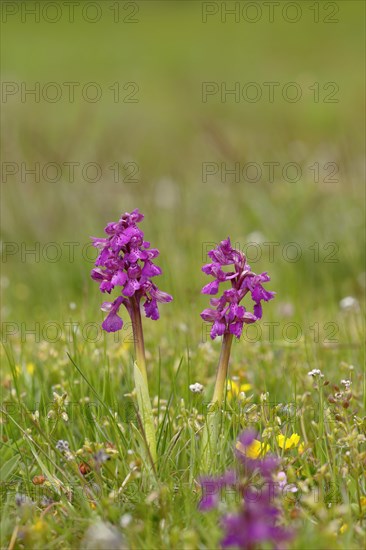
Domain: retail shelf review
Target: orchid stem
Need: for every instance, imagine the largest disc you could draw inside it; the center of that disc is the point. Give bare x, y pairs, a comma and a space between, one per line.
141, 381
138, 337
211, 429
222, 368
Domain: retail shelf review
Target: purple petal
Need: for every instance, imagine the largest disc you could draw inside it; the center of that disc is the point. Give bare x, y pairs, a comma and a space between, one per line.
112, 322
232, 295
218, 329
258, 293
264, 277
134, 272
211, 487
211, 288
151, 270
208, 502
106, 286
99, 243
209, 315
239, 311
153, 253
103, 257
131, 287
159, 295
133, 256
119, 278
249, 318
110, 228
97, 274
151, 309
247, 437
258, 311
135, 216
236, 328
207, 268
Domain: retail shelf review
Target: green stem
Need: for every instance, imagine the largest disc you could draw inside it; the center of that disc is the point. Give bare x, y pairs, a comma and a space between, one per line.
211, 428
222, 368
138, 337
141, 382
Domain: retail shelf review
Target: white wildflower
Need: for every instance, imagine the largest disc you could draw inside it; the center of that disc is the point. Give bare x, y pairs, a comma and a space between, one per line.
349, 303
196, 388
103, 535
316, 372
125, 520
281, 479
346, 384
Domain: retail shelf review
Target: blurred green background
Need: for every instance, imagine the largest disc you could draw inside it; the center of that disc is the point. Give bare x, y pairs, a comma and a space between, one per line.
168, 133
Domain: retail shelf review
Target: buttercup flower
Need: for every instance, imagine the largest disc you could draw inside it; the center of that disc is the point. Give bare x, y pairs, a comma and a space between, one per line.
125, 261
228, 316
254, 450
234, 388
250, 451
288, 442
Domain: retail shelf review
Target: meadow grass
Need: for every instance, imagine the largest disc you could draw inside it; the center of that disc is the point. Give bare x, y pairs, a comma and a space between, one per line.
68, 381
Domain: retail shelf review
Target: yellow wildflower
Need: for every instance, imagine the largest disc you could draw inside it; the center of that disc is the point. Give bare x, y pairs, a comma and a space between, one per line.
254, 450
288, 442
234, 388
343, 528
39, 526
301, 447
30, 368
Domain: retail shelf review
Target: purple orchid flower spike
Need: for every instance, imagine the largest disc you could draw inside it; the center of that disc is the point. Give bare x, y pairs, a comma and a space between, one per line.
228, 315
212, 487
125, 261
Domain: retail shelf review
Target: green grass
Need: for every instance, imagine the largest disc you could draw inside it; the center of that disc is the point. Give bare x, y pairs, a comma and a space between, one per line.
169, 133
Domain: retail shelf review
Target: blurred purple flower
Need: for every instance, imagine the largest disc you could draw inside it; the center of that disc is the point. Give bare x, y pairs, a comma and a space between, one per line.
264, 465
125, 260
228, 316
211, 488
256, 522
254, 525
